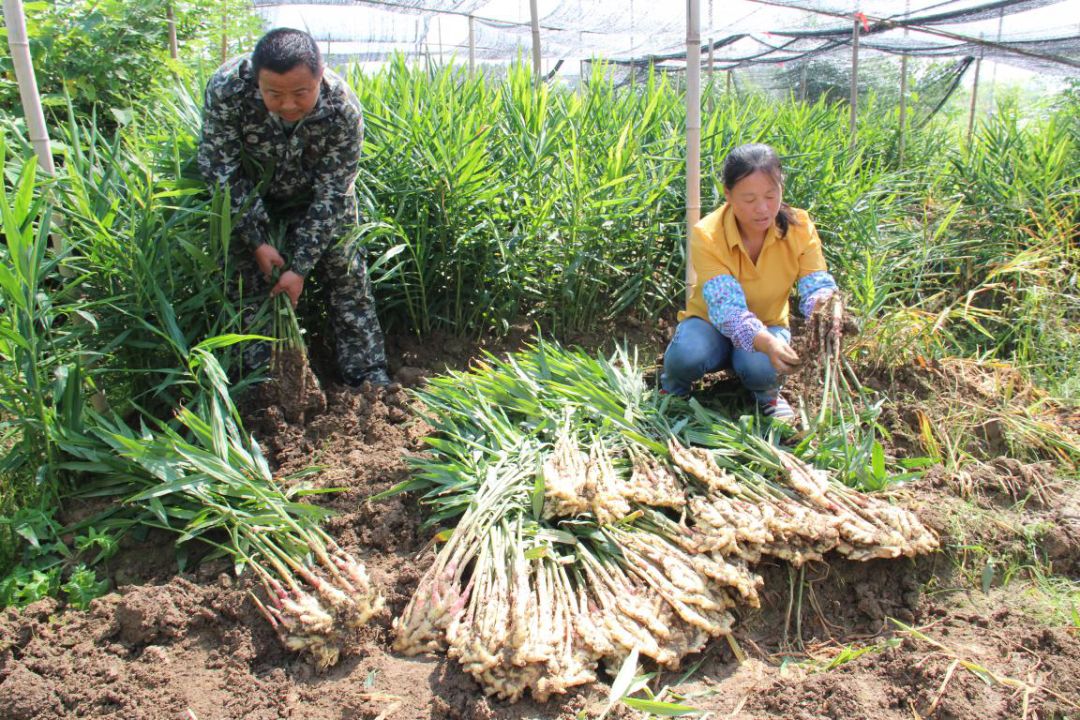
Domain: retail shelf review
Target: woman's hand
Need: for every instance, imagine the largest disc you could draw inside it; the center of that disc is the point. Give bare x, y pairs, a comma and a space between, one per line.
780, 354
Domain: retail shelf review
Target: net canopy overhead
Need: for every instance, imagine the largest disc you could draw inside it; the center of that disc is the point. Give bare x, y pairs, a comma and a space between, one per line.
1039, 35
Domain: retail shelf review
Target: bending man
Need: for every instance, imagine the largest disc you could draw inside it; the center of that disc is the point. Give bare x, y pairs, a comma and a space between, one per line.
284, 134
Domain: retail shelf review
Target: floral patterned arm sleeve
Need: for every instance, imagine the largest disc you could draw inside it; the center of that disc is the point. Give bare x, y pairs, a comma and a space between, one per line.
334, 204
219, 162
814, 287
727, 311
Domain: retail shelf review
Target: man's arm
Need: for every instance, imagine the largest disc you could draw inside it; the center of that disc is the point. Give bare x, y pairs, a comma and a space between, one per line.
219, 161
333, 206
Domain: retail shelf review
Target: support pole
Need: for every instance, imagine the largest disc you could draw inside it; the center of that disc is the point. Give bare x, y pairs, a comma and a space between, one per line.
535, 15
974, 99
693, 128
19, 45
472, 45
729, 73
224, 30
712, 86
903, 107
712, 53
903, 92
173, 52
854, 78
993, 73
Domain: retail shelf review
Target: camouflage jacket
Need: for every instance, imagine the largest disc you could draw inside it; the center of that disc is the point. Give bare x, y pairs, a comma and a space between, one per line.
309, 171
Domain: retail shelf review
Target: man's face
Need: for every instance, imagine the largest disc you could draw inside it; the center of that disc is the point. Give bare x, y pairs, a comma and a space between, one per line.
290, 95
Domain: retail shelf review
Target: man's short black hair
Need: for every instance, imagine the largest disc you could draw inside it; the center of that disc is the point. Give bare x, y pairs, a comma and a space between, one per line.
282, 49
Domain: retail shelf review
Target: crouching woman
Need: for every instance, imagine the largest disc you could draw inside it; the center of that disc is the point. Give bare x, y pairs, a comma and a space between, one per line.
748, 255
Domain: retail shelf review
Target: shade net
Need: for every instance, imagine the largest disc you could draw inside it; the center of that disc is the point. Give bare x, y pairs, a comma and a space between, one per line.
756, 38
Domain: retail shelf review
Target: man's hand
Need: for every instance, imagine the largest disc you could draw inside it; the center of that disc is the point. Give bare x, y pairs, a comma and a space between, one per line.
290, 283
267, 258
781, 355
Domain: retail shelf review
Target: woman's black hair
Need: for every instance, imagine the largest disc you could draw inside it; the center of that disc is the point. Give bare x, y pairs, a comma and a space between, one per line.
748, 159
282, 49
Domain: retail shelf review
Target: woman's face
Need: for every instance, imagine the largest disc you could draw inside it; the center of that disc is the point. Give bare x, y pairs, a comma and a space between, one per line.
755, 201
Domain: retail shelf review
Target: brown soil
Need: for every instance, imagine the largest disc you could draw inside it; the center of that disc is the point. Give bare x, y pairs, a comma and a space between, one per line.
294, 387
192, 645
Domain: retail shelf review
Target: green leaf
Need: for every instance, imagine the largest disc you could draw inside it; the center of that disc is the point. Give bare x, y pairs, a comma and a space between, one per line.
222, 341
537, 499
622, 681
83, 586
988, 576
123, 116
878, 461
663, 709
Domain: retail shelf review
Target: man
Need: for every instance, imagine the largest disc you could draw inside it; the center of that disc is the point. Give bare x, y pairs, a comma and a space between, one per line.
284, 134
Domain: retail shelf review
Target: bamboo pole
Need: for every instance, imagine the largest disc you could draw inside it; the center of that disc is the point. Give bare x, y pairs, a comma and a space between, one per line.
903, 92
854, 78
535, 17
224, 30
693, 128
19, 45
712, 54
903, 106
472, 45
709, 83
974, 99
993, 72
173, 49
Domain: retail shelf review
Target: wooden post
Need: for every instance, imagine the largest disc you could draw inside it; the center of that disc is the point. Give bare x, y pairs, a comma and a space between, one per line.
472, 45
693, 128
903, 106
854, 78
19, 45
802, 81
712, 54
993, 73
438, 28
712, 87
173, 51
729, 73
224, 30
535, 15
903, 93
974, 99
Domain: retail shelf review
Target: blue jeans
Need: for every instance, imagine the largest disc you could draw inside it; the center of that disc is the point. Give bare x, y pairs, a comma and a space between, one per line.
698, 348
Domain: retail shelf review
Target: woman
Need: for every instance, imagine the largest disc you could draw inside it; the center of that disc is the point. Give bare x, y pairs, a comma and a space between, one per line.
747, 256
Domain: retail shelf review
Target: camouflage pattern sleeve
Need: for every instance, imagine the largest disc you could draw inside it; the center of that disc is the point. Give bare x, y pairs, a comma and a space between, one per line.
333, 207
219, 157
